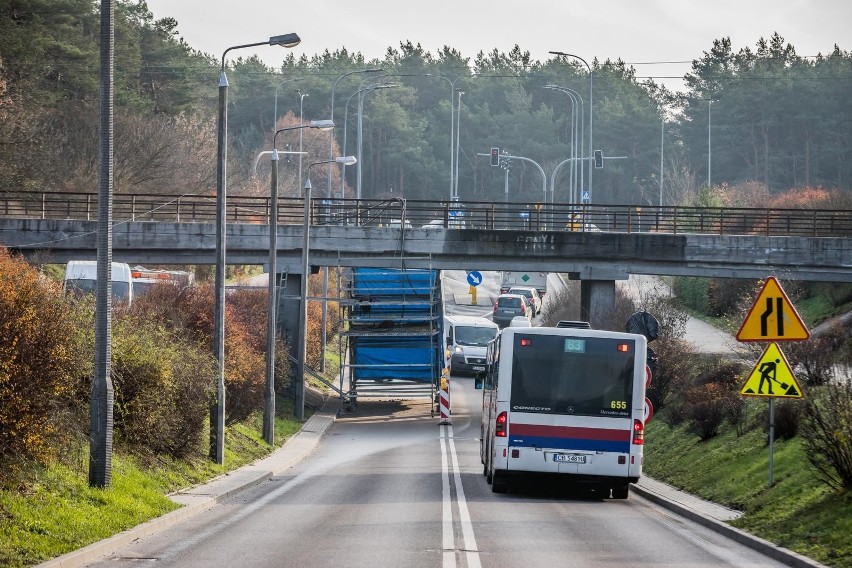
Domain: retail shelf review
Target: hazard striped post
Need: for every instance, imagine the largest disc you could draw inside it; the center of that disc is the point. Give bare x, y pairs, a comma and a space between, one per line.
444, 404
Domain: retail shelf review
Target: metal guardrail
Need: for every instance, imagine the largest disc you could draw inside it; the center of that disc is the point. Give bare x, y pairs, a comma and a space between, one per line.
410, 213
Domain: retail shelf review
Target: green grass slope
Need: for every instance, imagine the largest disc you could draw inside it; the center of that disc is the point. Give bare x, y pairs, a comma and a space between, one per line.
57, 512
798, 512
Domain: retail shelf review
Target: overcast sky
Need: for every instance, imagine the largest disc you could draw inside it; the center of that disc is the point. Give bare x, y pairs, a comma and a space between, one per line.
637, 31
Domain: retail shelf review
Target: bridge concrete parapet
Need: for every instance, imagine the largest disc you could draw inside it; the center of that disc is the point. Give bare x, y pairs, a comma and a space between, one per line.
587, 255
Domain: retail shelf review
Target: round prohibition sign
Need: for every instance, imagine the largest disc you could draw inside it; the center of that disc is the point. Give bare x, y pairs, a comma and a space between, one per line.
649, 411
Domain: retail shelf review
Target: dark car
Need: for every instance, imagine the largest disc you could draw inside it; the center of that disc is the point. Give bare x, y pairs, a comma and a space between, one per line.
509, 306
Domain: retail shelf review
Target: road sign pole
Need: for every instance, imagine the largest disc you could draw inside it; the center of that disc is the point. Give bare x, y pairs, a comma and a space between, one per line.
772, 306
771, 436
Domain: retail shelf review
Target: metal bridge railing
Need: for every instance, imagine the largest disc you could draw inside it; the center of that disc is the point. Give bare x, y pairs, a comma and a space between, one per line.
430, 214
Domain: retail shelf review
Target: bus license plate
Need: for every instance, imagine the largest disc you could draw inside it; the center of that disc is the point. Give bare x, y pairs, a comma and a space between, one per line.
571, 458
478, 368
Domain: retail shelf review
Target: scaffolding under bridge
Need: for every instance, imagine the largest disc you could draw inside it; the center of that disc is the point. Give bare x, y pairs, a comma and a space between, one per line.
392, 334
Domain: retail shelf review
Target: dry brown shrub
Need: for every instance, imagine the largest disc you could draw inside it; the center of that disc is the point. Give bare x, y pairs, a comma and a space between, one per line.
803, 198
705, 408
745, 194
163, 387
816, 356
711, 396
190, 310
38, 361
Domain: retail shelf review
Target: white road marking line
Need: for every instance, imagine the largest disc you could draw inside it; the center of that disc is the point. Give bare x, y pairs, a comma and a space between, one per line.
464, 514
447, 540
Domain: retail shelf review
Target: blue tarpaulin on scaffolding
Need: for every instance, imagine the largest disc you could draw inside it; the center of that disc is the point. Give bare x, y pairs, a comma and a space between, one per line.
389, 282
398, 318
383, 355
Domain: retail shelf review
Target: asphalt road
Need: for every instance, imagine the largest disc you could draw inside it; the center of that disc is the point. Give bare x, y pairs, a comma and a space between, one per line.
389, 487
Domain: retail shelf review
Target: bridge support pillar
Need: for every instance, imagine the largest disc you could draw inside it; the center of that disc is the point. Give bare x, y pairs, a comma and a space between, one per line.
597, 294
597, 302
290, 312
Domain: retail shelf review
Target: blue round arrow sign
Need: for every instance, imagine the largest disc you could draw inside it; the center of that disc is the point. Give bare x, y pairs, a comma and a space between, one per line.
474, 278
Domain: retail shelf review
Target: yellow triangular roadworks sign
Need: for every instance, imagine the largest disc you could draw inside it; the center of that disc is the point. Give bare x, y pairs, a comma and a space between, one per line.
772, 317
772, 376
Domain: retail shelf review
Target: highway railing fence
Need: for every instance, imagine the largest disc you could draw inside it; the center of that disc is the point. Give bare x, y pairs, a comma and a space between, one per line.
416, 214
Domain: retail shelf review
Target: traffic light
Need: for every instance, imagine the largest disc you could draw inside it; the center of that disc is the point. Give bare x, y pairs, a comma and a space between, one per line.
598, 159
495, 156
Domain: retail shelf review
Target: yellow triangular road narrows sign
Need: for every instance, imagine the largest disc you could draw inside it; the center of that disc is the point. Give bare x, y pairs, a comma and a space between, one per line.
772, 317
772, 376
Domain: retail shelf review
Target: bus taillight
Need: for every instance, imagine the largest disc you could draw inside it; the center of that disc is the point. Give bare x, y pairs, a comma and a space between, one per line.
502, 421
638, 432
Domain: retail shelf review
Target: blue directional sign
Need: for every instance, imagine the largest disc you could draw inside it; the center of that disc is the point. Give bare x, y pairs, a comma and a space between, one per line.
474, 278
524, 214
586, 197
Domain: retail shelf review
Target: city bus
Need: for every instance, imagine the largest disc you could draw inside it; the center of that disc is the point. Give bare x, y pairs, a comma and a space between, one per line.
565, 402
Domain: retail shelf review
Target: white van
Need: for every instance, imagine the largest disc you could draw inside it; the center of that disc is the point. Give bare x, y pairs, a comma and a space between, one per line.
567, 402
81, 277
467, 340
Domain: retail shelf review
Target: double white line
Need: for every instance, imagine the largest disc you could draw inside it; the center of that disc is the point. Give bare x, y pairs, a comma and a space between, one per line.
448, 535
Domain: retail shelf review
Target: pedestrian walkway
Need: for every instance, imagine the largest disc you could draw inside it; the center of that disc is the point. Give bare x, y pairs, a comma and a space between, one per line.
649, 488
716, 518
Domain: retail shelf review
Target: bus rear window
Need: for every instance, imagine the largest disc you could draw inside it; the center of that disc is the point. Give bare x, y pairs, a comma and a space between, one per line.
584, 376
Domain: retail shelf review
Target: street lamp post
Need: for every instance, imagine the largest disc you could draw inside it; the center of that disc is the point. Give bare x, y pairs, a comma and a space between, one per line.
331, 141
579, 144
361, 131
272, 304
275, 107
576, 99
301, 101
455, 196
572, 154
263, 153
217, 410
709, 145
303, 324
452, 124
591, 114
662, 140
346, 124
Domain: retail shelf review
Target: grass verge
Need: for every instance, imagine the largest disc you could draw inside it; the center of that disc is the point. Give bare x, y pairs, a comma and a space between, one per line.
56, 511
798, 512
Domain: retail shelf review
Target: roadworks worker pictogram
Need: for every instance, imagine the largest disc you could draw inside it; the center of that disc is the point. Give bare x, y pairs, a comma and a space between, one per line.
772, 376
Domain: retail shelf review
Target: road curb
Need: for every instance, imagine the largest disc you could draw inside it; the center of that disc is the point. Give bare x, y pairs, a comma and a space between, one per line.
203, 497
762, 546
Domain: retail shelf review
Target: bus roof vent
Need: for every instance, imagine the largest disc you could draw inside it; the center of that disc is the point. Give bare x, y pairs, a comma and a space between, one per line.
575, 324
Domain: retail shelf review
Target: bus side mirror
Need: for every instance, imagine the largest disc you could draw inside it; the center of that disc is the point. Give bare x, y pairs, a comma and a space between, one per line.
478, 380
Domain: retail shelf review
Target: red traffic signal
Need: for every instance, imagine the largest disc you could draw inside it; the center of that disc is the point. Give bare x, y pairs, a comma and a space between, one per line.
495, 156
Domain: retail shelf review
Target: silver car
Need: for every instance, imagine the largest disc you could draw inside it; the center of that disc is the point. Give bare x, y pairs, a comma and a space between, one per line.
531, 294
509, 306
